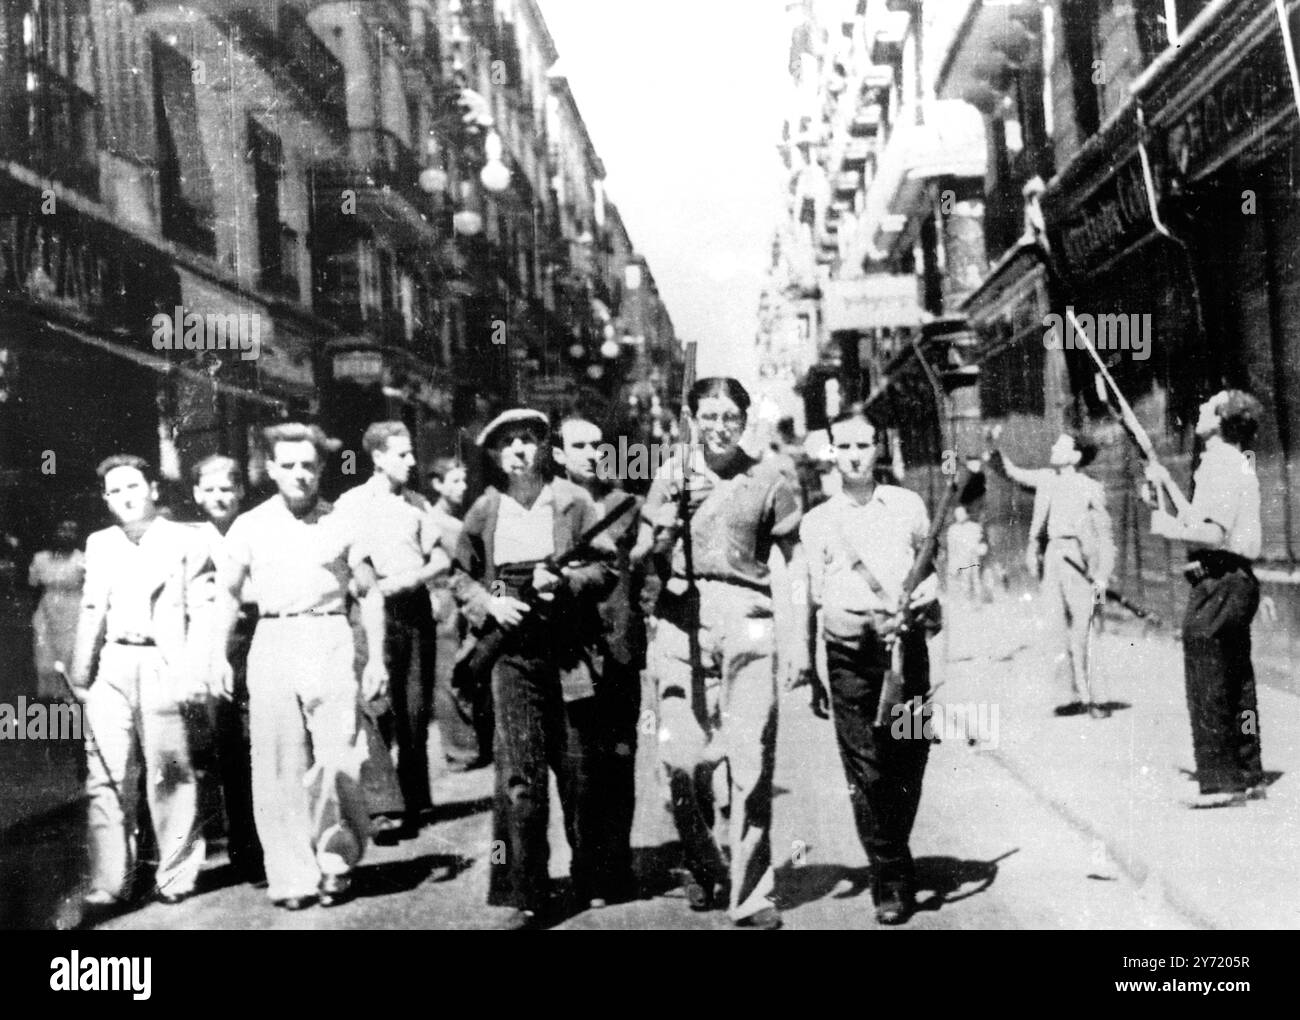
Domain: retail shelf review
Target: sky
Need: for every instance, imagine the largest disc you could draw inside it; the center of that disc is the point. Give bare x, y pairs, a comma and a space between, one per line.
684, 102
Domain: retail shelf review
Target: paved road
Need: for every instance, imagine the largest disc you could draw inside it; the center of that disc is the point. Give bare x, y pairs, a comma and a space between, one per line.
990, 856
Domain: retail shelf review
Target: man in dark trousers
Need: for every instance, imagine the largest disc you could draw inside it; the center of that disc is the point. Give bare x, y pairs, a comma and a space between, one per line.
397, 527
542, 683
860, 545
1221, 526
618, 686
219, 494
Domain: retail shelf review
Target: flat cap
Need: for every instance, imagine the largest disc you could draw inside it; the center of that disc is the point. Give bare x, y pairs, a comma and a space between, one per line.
515, 416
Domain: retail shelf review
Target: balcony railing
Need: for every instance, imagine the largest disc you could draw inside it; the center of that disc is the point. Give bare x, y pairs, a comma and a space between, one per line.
51, 129
286, 44
388, 163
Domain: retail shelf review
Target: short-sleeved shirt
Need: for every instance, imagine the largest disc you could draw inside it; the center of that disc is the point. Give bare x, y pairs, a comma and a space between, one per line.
733, 528
298, 564
127, 575
398, 527
1063, 502
884, 533
1227, 494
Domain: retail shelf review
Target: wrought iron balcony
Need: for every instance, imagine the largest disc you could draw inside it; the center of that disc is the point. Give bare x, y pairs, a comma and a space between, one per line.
49, 127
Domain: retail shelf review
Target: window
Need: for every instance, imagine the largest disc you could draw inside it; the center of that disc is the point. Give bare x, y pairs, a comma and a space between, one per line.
188, 199
51, 126
277, 245
125, 95
1078, 30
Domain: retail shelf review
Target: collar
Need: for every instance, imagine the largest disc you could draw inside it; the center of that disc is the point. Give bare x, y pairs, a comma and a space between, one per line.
545, 498
842, 498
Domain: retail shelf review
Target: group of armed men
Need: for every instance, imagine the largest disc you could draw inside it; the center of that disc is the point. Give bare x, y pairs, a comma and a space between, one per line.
314, 629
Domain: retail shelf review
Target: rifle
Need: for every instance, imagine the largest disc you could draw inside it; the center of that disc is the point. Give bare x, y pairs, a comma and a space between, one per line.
892, 687
1138, 610
687, 437
476, 661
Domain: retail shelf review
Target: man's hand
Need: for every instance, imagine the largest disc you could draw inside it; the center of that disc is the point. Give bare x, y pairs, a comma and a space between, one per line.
1099, 587
397, 584
507, 611
1163, 524
820, 700
1157, 473
374, 679
547, 582
222, 683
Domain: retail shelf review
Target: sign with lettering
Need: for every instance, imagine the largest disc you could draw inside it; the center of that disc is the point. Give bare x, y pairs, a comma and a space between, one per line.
1107, 222
874, 302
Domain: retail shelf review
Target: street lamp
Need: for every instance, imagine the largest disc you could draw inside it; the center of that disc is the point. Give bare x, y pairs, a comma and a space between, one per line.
495, 175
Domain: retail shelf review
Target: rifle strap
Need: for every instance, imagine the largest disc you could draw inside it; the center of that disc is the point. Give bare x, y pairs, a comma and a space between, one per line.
863, 570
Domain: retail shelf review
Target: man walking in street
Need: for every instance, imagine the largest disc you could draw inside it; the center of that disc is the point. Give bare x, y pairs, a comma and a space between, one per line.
301, 558
218, 492
618, 686
1221, 526
541, 676
722, 709
860, 546
1072, 549
401, 541
464, 724
136, 668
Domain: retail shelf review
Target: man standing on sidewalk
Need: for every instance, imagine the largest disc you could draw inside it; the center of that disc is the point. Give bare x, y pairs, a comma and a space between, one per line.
307, 799
1071, 548
618, 686
218, 493
1221, 526
860, 546
145, 578
401, 540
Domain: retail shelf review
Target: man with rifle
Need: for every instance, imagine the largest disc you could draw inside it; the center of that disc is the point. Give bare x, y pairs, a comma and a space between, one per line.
870, 553
537, 628
714, 650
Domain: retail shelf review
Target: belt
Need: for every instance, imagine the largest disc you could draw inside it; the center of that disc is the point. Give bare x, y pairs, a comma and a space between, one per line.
1215, 563
133, 640
287, 616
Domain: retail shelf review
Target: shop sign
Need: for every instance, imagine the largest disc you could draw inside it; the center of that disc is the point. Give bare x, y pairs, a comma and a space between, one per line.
1109, 221
880, 301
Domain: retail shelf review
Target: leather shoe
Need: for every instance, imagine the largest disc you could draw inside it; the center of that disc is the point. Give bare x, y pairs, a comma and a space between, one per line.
704, 895
387, 830
173, 898
767, 919
1099, 711
895, 907
523, 920
1073, 708
100, 898
335, 889
1226, 798
294, 902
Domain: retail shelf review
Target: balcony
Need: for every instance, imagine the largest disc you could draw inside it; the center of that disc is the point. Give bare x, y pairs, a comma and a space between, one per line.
50, 128
285, 45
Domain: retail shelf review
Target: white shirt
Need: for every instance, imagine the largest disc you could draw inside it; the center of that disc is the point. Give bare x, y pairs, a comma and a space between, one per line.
884, 533
126, 576
1227, 494
524, 535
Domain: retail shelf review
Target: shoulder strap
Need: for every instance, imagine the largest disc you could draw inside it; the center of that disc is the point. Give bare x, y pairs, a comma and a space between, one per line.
863, 570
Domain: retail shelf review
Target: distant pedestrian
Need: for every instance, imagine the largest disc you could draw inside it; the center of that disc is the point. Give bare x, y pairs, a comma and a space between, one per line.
966, 549
1072, 549
1221, 526
58, 572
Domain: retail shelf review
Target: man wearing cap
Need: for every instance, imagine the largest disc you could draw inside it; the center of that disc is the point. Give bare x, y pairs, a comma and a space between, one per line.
542, 684
1221, 526
302, 559
401, 540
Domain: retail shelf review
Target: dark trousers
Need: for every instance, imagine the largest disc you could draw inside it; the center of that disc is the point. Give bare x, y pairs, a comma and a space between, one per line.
536, 731
456, 718
618, 707
1221, 681
884, 771
410, 651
